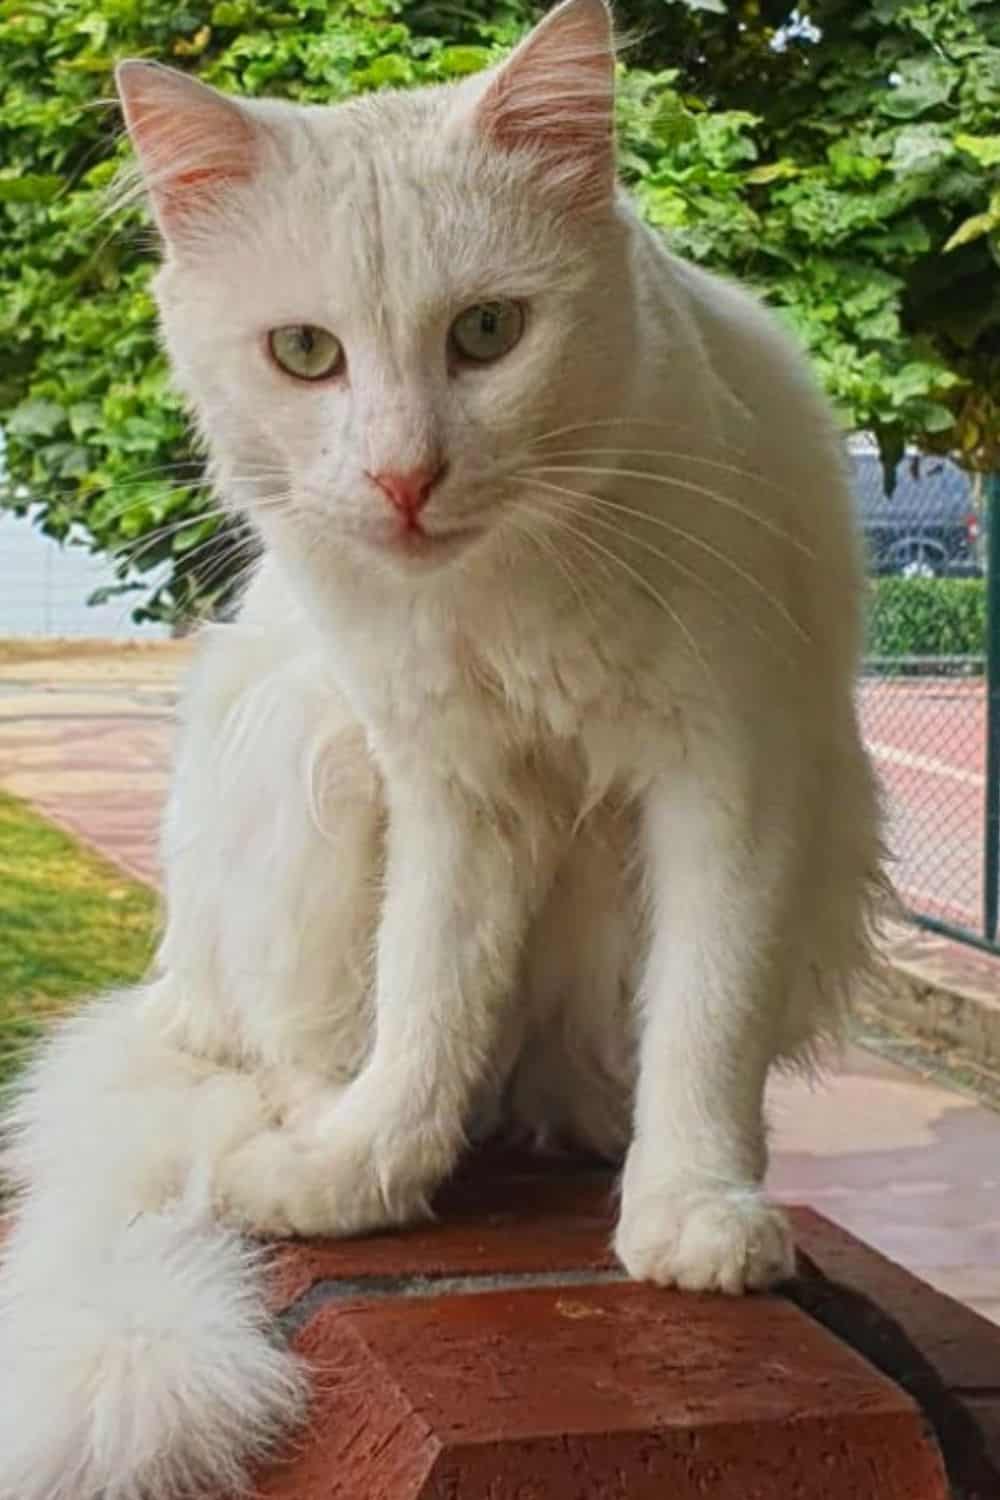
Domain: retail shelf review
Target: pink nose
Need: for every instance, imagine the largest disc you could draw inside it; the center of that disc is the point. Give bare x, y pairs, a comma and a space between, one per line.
408, 492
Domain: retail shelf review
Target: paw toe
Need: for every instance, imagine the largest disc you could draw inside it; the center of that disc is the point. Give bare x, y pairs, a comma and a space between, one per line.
731, 1241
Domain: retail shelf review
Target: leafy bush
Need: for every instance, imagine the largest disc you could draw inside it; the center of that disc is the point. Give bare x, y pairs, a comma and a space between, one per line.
850, 173
927, 617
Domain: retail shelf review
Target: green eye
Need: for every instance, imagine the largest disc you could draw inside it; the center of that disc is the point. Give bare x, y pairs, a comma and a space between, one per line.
487, 330
305, 351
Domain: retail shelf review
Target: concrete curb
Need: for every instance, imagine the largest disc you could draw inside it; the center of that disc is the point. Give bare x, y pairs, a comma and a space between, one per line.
940, 1000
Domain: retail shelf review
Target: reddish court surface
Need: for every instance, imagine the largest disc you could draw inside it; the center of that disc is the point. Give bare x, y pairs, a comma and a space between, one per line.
928, 739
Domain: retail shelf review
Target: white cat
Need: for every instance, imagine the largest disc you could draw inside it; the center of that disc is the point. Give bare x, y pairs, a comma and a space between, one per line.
527, 792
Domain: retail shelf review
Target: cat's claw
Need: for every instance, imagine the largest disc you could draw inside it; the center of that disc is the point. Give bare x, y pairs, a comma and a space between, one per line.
704, 1240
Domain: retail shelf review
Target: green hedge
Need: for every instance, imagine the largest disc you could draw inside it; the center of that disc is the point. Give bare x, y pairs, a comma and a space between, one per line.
927, 617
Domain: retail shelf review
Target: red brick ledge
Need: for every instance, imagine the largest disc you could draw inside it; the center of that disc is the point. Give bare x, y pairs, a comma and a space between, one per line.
942, 1353
500, 1355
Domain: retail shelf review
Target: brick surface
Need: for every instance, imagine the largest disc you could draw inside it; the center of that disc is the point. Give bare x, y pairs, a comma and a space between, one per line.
519, 1214
465, 1361
963, 1348
498, 1354
939, 1351
613, 1392
986, 1411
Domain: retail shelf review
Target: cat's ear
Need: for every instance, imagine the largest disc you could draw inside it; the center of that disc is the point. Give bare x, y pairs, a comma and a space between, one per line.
554, 98
191, 141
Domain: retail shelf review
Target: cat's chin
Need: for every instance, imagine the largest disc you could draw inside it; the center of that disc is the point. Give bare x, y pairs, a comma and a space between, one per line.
422, 549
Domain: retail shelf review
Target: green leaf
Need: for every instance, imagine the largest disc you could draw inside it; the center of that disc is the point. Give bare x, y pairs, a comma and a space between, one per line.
35, 419
933, 416
772, 171
672, 123
851, 164
230, 13
972, 228
984, 148
183, 541
920, 85
390, 70
455, 62
920, 148
84, 417
29, 188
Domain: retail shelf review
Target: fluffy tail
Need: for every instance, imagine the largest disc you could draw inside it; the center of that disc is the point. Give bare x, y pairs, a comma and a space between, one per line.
139, 1360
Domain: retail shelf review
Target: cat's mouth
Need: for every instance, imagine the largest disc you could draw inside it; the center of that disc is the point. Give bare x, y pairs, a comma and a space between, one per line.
417, 544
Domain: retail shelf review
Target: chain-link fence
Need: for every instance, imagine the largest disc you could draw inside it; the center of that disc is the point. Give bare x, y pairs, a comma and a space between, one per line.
929, 682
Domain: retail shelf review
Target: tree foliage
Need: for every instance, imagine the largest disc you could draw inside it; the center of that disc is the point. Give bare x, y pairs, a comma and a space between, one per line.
843, 160
860, 187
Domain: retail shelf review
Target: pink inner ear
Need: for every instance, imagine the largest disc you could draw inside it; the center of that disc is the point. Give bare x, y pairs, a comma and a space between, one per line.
562, 119
182, 188
555, 98
190, 140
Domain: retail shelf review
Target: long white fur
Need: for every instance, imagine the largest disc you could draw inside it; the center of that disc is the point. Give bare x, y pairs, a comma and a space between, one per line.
569, 833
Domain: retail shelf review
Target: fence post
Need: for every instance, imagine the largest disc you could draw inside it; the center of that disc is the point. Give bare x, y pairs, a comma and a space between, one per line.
991, 863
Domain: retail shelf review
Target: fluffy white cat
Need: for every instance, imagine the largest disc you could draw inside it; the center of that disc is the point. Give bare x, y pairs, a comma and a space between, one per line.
527, 791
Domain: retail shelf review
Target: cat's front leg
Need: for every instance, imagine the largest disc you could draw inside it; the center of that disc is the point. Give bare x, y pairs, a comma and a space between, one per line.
693, 1214
462, 881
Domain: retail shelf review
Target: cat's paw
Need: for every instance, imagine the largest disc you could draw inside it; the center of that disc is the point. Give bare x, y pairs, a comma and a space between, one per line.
355, 1160
705, 1239
282, 1184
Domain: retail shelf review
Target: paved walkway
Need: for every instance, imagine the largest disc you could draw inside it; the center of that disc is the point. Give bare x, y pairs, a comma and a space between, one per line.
86, 736
911, 1167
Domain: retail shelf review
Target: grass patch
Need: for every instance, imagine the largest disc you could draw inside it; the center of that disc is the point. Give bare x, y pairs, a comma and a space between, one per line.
70, 924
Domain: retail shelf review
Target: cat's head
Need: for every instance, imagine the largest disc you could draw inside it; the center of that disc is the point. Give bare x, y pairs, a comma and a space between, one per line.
381, 309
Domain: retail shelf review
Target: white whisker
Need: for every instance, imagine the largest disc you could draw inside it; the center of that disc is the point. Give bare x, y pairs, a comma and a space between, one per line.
175, 489
692, 540
551, 552
672, 481
697, 458
647, 588
137, 546
671, 427
691, 574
